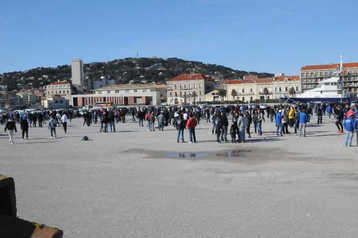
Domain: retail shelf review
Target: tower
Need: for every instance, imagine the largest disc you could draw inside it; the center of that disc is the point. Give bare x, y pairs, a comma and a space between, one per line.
77, 72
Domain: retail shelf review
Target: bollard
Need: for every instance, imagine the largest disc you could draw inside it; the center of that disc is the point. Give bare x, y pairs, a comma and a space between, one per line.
13, 227
7, 196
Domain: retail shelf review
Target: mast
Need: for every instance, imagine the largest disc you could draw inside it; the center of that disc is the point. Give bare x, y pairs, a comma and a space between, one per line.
341, 77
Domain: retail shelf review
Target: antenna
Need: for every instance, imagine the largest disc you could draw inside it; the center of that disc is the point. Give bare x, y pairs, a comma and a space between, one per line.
341, 67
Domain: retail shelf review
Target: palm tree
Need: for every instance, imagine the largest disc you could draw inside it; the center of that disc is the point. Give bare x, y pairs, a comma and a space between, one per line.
233, 94
222, 93
292, 91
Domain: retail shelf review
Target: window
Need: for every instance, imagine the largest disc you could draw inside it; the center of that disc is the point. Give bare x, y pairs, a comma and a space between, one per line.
135, 90
126, 91
302, 75
171, 94
184, 93
199, 93
251, 90
275, 89
286, 89
108, 92
326, 74
68, 91
176, 94
175, 87
61, 101
180, 94
144, 90
243, 99
56, 101
320, 73
296, 89
180, 87
279, 89
184, 86
307, 75
189, 86
194, 85
200, 85
243, 90
117, 91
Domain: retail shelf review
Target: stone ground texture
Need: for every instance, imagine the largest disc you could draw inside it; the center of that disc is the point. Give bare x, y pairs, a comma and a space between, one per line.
125, 184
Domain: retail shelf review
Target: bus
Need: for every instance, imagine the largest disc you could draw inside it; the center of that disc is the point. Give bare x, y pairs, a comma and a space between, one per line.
103, 104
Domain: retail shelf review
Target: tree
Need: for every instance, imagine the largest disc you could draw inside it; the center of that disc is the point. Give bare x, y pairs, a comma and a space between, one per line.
266, 91
222, 93
194, 95
292, 91
233, 94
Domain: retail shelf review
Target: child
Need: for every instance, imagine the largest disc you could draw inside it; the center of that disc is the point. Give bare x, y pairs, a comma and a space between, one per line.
233, 132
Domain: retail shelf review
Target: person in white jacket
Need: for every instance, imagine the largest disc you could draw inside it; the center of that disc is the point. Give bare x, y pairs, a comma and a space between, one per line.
64, 122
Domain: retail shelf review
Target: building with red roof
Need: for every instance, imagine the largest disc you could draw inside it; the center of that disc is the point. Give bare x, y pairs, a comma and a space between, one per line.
263, 88
311, 75
188, 88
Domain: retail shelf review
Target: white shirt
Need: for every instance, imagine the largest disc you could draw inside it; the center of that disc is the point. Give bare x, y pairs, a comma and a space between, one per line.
64, 118
185, 116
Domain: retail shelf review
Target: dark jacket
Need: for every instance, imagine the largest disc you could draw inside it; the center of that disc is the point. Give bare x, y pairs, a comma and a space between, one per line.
10, 125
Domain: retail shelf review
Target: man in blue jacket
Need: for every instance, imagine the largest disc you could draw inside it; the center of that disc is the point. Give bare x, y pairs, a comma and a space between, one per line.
349, 125
302, 122
279, 123
329, 111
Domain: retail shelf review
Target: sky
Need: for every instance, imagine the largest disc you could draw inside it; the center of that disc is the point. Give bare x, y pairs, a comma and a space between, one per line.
275, 36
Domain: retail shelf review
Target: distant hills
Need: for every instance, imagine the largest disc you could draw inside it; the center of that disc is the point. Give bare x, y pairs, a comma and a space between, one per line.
126, 70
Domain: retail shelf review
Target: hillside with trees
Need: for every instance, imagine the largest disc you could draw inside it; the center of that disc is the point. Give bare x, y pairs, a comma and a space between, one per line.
129, 70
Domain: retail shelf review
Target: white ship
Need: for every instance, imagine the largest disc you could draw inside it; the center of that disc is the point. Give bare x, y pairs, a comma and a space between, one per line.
329, 90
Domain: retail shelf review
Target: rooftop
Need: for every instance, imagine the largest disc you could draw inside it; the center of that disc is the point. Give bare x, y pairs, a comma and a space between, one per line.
264, 80
329, 66
183, 77
133, 86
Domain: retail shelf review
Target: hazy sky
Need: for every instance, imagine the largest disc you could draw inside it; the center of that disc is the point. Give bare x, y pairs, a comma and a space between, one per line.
252, 35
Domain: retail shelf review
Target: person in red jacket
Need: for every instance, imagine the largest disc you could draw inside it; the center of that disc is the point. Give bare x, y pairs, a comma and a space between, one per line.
191, 124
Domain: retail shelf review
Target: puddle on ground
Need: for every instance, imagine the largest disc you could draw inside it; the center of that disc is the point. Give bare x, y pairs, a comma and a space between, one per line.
225, 154
176, 155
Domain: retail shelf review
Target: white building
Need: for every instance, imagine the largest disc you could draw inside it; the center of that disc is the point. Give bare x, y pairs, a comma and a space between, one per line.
78, 77
55, 102
188, 88
60, 88
124, 94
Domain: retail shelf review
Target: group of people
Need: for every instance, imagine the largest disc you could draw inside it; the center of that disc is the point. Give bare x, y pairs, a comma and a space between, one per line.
27, 120
241, 118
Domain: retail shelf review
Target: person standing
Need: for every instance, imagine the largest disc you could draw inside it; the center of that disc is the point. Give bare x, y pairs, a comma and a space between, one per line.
259, 121
11, 126
52, 126
329, 111
161, 121
319, 115
191, 124
224, 126
180, 128
279, 123
218, 127
64, 122
249, 121
302, 122
349, 125
242, 124
24, 127
112, 125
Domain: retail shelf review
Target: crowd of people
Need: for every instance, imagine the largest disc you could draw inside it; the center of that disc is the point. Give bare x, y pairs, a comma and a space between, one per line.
235, 120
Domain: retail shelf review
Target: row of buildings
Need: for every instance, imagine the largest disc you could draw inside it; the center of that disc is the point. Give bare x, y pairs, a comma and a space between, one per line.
183, 89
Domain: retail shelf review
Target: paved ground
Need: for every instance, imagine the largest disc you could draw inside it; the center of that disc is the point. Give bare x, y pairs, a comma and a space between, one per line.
136, 183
